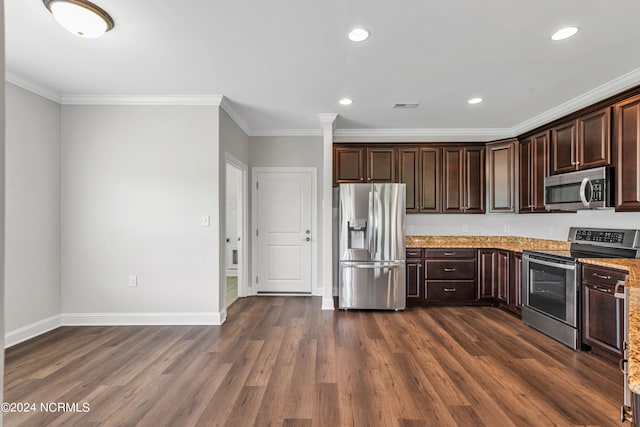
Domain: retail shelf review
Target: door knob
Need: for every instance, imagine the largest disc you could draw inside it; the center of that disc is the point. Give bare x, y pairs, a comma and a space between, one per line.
308, 232
308, 239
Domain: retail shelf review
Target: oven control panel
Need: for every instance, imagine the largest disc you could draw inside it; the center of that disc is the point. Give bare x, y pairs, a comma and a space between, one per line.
586, 235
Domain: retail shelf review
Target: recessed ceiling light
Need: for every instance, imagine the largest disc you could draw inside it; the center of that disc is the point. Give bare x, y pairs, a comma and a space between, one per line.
345, 101
564, 33
406, 105
475, 100
359, 34
80, 17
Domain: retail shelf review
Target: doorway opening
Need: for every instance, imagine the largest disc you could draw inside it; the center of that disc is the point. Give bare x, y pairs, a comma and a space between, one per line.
235, 224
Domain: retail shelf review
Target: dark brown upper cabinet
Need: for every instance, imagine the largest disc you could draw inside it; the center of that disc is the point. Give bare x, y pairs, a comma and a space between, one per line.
364, 164
533, 167
381, 164
501, 158
430, 173
410, 174
349, 165
583, 143
627, 146
463, 179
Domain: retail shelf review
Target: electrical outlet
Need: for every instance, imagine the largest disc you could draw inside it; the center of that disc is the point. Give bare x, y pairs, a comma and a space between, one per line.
465, 228
133, 281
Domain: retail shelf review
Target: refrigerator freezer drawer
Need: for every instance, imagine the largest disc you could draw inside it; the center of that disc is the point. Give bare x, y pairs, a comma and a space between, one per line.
372, 285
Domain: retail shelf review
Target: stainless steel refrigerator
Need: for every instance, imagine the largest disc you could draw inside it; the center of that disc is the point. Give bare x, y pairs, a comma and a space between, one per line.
371, 252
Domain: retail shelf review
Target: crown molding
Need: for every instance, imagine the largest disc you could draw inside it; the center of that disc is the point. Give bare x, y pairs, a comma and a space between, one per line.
228, 107
421, 135
287, 132
613, 87
32, 87
212, 100
327, 117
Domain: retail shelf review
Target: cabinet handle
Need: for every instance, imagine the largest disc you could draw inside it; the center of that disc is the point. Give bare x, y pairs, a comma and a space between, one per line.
598, 288
449, 289
601, 276
449, 270
449, 253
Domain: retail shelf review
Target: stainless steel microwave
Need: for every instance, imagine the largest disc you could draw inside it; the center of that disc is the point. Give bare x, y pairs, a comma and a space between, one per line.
586, 189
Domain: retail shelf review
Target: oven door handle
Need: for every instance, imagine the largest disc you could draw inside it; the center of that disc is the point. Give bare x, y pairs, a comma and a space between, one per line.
571, 267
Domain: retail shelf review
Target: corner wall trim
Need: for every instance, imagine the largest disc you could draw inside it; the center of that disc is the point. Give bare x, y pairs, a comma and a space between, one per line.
27, 332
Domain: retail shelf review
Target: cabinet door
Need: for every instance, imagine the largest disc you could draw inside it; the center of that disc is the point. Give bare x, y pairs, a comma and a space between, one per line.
410, 174
381, 164
485, 273
603, 318
539, 169
594, 144
525, 174
430, 179
515, 283
627, 144
501, 183
563, 146
415, 279
348, 165
474, 191
501, 276
452, 165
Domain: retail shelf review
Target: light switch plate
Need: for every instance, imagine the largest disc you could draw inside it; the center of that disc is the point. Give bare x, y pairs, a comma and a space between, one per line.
133, 281
206, 221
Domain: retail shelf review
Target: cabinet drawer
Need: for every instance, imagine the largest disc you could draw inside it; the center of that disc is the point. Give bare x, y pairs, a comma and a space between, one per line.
602, 275
460, 290
414, 253
451, 270
450, 253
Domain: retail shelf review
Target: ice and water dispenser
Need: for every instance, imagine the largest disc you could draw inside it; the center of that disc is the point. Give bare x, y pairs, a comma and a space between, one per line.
357, 234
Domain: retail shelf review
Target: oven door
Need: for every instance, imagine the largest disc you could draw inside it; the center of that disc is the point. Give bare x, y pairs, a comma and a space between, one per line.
550, 287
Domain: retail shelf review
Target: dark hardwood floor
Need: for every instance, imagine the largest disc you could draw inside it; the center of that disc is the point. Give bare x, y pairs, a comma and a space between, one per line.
283, 361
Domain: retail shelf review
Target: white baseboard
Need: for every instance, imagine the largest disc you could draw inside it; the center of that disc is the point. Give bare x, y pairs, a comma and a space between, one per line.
19, 335
141, 319
327, 304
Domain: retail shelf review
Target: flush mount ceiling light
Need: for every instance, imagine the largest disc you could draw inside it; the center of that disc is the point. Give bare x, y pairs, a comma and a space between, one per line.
345, 101
564, 33
475, 100
358, 34
80, 17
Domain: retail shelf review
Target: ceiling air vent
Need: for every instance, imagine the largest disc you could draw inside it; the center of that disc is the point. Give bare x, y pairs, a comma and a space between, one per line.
405, 105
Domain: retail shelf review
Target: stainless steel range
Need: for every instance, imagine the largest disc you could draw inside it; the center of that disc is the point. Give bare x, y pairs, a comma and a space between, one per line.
551, 279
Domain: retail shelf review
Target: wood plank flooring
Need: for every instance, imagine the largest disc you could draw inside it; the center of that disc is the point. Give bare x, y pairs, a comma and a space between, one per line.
281, 361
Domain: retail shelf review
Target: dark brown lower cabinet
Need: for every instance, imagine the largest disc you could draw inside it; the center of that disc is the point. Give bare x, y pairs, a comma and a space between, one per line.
415, 274
514, 300
602, 320
493, 274
450, 275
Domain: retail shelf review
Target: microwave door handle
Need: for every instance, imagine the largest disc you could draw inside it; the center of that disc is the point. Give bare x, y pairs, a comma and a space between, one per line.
583, 188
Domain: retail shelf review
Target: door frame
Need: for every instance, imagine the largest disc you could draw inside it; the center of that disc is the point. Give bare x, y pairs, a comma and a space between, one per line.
243, 223
255, 171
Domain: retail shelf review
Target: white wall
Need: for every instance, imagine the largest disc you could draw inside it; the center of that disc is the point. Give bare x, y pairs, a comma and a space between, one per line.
545, 226
293, 151
32, 203
136, 181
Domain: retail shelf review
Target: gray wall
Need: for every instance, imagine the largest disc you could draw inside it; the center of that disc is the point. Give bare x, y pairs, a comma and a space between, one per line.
136, 181
32, 204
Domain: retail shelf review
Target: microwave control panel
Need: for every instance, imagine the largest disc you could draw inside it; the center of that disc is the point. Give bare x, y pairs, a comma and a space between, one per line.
597, 190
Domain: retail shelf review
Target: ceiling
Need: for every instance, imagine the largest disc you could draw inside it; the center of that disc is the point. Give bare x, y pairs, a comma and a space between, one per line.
280, 63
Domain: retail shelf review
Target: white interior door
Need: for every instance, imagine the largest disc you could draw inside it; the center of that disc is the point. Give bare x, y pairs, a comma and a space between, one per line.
284, 232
